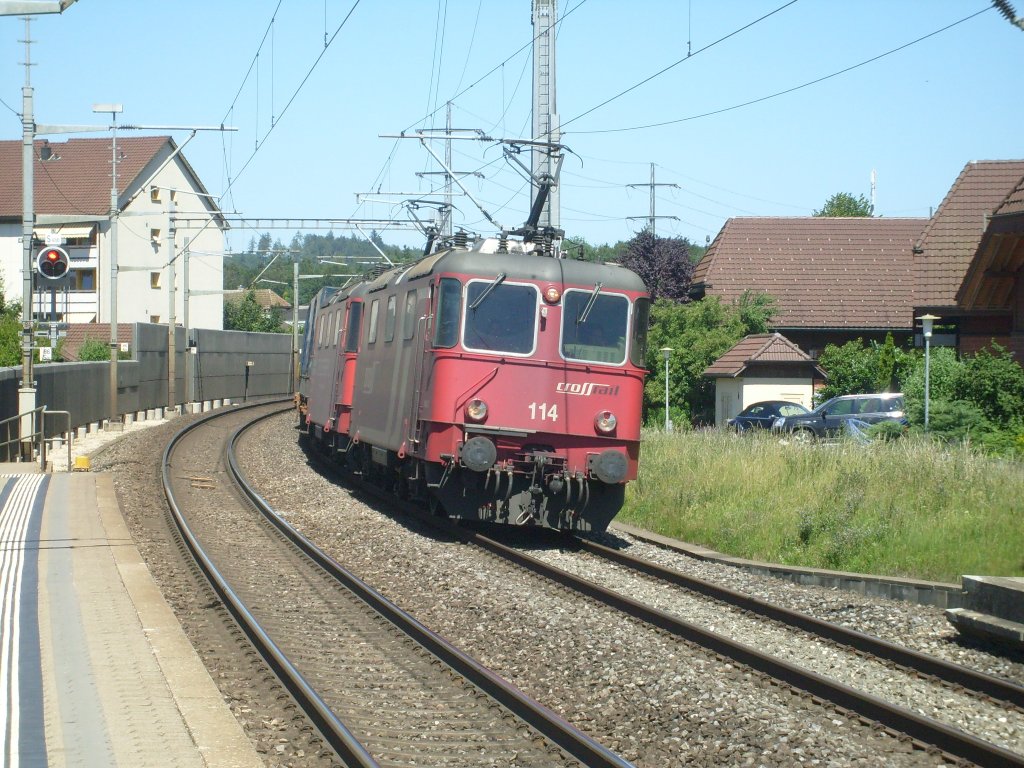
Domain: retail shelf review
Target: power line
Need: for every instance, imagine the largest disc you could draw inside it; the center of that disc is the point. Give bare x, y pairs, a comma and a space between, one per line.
677, 63
787, 90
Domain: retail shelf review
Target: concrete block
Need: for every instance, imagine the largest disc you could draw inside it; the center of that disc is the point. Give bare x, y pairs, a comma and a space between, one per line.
983, 625
998, 596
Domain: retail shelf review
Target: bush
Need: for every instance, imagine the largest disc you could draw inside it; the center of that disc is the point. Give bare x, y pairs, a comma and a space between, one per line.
94, 350
994, 382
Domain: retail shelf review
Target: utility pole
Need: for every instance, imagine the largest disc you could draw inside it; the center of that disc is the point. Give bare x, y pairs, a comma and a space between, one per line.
545, 111
651, 217
446, 217
27, 390
171, 329
115, 346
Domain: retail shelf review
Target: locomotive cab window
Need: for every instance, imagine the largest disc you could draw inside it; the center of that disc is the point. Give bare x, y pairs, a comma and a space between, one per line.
449, 308
641, 320
594, 326
500, 317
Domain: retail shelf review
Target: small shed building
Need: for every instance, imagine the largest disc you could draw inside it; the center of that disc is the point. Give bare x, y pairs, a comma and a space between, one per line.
764, 366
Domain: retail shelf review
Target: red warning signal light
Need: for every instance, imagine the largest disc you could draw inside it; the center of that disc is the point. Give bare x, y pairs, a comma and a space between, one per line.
52, 263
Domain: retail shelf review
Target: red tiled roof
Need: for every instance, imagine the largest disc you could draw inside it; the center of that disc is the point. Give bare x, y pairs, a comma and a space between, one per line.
824, 272
1014, 202
76, 178
949, 243
758, 348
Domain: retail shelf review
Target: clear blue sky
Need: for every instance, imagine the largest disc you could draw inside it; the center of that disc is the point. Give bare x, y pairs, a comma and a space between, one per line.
915, 116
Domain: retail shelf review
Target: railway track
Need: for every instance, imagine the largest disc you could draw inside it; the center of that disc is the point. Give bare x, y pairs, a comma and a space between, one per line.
380, 687
957, 737
604, 582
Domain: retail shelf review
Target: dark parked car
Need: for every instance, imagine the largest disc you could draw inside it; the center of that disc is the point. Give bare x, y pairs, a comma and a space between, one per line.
828, 419
762, 415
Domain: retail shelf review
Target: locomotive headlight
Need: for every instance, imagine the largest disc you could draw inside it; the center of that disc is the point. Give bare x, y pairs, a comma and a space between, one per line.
605, 422
476, 410
552, 295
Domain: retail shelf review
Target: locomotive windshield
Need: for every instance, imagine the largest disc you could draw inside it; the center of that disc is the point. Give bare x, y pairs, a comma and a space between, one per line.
500, 317
594, 326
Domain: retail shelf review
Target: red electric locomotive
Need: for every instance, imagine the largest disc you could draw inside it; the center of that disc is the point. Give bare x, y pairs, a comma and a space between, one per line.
497, 386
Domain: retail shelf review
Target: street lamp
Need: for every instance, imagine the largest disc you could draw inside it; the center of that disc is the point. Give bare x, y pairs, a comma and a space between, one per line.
666, 352
927, 321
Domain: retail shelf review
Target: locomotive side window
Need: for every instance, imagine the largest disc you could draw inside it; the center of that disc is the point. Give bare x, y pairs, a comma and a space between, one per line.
371, 332
389, 320
449, 308
355, 315
641, 320
594, 327
409, 318
341, 323
500, 317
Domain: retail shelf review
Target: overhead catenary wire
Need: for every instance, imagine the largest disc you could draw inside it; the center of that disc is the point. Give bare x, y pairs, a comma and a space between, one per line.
677, 63
782, 92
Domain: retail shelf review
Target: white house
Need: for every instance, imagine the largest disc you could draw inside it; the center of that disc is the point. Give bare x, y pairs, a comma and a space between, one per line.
765, 366
72, 204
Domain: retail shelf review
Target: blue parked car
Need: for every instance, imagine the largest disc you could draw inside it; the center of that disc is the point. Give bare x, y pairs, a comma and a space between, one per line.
763, 414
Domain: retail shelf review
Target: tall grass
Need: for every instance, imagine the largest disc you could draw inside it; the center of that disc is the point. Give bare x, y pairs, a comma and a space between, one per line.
902, 508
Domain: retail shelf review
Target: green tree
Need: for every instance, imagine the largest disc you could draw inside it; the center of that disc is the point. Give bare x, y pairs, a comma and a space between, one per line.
756, 311
845, 204
248, 315
885, 364
10, 331
851, 369
698, 333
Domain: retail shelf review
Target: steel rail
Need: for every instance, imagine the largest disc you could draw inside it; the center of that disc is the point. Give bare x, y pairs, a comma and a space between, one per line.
955, 674
927, 732
536, 715
335, 733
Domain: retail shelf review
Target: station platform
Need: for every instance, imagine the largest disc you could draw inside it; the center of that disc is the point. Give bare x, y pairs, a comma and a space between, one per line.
94, 667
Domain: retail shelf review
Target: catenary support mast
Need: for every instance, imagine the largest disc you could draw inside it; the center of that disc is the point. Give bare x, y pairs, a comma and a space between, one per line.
545, 110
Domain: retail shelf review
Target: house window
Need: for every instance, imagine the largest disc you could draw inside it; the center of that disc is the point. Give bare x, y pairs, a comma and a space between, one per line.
155, 319
154, 279
174, 195
154, 235
83, 280
154, 194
